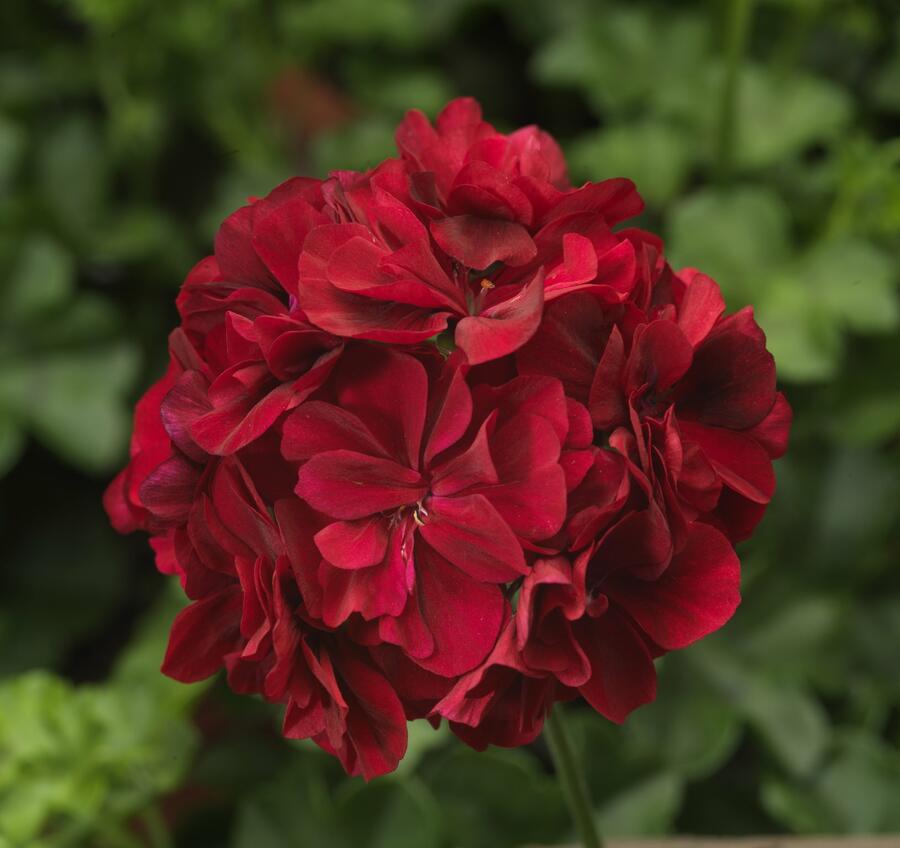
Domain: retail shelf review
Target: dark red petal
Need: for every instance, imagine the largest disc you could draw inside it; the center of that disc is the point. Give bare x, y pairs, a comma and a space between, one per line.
622, 673
567, 345
449, 412
470, 533
700, 307
169, 492
316, 427
462, 618
372, 592
471, 467
389, 391
202, 634
480, 242
740, 460
697, 594
279, 231
503, 328
354, 544
345, 484
660, 356
732, 379
606, 401
773, 431
375, 740
237, 260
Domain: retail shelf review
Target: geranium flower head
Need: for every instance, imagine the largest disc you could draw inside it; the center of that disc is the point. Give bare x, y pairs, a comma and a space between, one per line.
441, 440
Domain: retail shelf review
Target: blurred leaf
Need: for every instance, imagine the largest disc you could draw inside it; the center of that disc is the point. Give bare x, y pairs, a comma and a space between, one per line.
319, 22
72, 173
735, 237
496, 799
648, 809
781, 115
360, 146
656, 155
298, 810
617, 55
791, 722
75, 401
690, 729
42, 279
796, 639
73, 758
855, 793
390, 814
856, 282
800, 332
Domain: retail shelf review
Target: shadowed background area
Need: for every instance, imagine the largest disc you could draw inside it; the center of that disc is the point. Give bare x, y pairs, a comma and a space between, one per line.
769, 156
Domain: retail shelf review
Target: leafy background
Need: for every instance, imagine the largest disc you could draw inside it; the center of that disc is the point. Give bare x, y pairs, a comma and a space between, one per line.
769, 155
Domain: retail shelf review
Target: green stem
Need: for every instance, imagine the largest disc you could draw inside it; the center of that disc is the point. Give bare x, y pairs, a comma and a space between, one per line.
737, 29
157, 830
571, 779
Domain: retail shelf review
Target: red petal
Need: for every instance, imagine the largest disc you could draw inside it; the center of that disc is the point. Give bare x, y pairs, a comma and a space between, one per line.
740, 460
202, 633
773, 431
345, 484
480, 242
622, 673
316, 427
732, 379
700, 307
606, 401
461, 617
354, 544
375, 739
470, 533
505, 327
697, 594
389, 391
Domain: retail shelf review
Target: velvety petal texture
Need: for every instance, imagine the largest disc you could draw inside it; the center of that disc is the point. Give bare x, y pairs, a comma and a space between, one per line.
441, 440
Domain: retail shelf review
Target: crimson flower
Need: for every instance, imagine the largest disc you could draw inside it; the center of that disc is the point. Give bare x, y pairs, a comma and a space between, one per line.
441, 441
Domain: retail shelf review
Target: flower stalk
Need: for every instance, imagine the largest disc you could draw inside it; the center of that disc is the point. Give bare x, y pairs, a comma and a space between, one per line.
737, 29
571, 779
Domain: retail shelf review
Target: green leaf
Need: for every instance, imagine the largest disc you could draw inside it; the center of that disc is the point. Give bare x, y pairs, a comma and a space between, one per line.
855, 793
690, 729
360, 145
790, 721
655, 154
617, 55
801, 332
75, 401
782, 115
72, 173
856, 281
389, 814
736, 237
496, 799
41, 280
648, 809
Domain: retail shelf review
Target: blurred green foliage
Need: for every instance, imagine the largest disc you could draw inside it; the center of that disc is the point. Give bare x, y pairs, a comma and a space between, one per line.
128, 129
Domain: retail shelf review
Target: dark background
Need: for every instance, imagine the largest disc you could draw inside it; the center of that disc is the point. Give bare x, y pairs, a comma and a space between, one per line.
130, 128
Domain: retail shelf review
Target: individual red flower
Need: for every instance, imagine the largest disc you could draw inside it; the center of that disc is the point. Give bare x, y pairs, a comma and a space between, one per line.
430, 493
438, 441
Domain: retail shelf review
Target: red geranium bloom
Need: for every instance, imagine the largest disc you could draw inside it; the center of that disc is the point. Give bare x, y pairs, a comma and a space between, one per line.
372, 530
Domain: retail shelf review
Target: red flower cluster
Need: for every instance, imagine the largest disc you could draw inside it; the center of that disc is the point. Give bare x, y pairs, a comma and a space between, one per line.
372, 528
